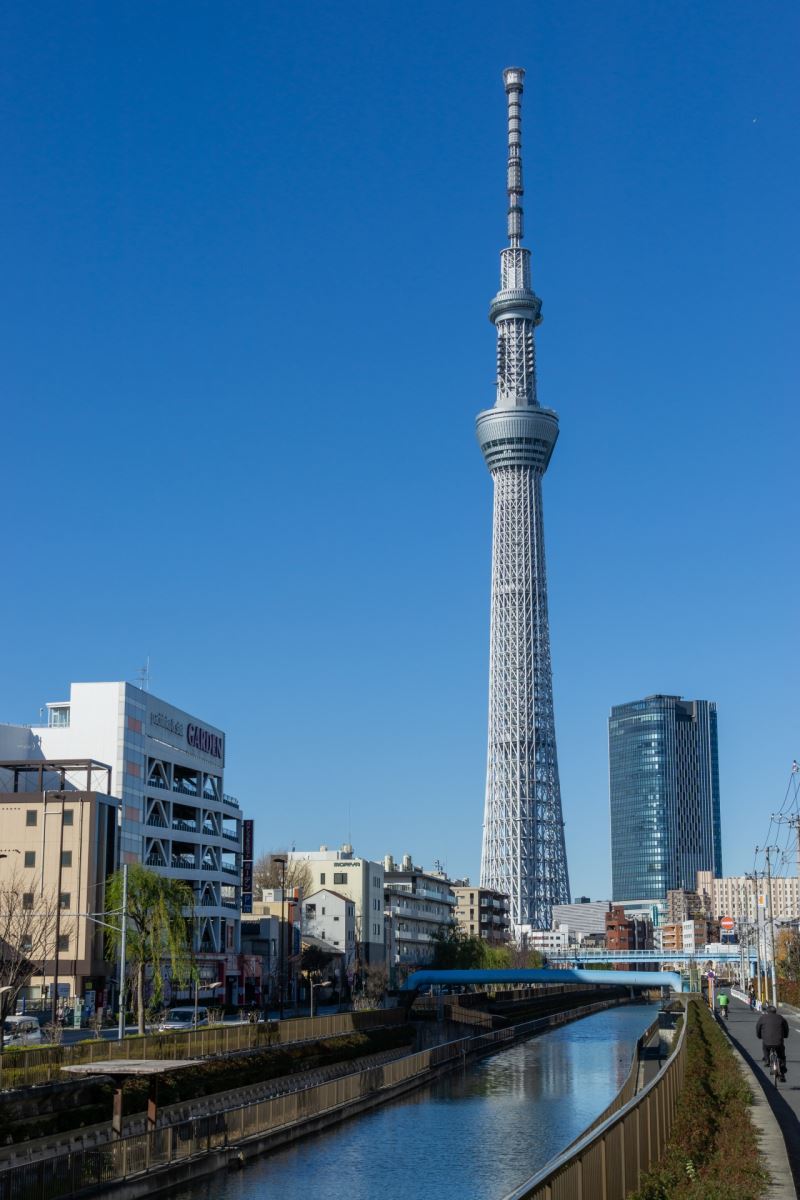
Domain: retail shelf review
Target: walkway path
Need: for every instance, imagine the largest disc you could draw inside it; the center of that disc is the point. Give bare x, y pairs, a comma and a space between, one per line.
785, 1099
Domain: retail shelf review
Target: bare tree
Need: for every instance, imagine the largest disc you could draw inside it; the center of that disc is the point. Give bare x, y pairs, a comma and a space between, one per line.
28, 929
270, 874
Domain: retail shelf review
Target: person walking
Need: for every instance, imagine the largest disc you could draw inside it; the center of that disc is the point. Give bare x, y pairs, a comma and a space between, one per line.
772, 1028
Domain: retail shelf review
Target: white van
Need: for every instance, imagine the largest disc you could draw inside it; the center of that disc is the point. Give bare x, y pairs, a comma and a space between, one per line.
183, 1018
21, 1031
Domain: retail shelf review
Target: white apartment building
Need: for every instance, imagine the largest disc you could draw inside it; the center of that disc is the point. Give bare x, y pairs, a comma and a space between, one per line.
547, 941
331, 917
582, 919
420, 906
738, 897
357, 879
167, 766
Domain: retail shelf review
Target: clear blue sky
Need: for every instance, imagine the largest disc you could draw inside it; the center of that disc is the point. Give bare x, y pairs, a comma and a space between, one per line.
247, 256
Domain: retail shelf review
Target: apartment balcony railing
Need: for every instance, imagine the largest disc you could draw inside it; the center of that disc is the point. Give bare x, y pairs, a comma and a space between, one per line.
230, 800
229, 870
159, 822
157, 783
155, 860
233, 837
182, 862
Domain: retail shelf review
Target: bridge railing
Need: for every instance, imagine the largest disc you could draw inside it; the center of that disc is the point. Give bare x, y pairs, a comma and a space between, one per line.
610, 1159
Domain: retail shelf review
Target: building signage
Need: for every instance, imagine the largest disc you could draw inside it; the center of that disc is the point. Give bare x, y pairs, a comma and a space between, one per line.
169, 723
247, 902
247, 877
204, 740
247, 840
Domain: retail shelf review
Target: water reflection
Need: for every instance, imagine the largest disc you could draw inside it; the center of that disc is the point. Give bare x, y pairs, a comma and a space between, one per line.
472, 1135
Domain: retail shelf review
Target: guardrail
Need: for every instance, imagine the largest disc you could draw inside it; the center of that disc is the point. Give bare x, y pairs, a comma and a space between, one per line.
20, 1068
69, 1174
609, 1160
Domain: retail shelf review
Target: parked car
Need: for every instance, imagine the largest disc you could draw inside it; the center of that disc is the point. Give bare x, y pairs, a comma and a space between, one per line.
21, 1031
177, 1019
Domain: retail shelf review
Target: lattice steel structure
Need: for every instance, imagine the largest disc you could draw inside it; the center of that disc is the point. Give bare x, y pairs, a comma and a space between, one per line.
523, 853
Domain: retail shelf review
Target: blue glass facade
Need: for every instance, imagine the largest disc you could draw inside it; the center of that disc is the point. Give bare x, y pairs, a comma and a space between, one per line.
664, 790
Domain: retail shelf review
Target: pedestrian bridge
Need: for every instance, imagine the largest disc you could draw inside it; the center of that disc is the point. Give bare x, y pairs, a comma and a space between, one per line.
646, 979
575, 956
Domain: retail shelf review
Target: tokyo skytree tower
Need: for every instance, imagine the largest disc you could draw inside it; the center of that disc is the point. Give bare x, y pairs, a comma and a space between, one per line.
523, 832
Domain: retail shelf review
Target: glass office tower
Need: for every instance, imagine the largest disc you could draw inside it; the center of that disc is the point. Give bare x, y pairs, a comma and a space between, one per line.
664, 789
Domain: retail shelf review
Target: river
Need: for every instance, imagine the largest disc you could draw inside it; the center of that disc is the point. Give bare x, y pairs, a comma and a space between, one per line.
474, 1134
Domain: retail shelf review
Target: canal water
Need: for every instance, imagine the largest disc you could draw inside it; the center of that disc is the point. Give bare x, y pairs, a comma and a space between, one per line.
474, 1134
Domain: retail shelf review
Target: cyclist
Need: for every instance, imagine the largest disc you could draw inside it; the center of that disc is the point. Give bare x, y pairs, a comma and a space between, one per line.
772, 1028
724, 1000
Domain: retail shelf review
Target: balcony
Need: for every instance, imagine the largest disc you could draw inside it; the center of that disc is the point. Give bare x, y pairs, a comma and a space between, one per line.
230, 870
159, 822
183, 862
155, 860
157, 782
178, 785
232, 837
230, 800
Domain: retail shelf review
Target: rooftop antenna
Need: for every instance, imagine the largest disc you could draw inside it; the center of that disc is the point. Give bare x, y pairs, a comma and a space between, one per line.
144, 675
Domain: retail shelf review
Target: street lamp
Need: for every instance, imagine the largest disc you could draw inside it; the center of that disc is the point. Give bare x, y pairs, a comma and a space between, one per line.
282, 859
211, 987
312, 983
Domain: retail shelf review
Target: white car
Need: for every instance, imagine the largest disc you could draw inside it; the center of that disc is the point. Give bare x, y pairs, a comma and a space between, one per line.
183, 1018
21, 1031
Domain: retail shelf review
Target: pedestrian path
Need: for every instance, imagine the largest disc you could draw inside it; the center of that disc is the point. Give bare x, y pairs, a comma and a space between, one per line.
785, 1099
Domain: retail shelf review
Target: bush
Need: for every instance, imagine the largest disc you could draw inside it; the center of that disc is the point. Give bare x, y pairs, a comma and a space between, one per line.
712, 1153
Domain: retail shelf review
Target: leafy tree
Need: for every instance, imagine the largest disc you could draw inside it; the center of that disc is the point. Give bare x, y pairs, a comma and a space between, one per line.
160, 915
270, 874
28, 923
787, 954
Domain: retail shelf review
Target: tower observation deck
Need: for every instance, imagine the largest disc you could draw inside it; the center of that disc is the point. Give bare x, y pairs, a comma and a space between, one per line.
523, 850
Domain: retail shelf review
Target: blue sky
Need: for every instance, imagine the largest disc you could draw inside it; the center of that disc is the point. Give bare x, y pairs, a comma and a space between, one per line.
247, 256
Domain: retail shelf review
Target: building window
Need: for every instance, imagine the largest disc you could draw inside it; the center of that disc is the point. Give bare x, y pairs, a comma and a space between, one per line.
322, 879
64, 900
66, 858
58, 716
31, 817
339, 877
63, 941
311, 911
30, 858
27, 901
26, 943
68, 816
336, 918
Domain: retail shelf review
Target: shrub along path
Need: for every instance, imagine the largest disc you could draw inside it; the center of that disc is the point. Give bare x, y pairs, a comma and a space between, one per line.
713, 1151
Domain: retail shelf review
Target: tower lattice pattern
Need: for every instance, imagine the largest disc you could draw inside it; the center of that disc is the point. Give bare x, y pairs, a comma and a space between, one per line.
524, 852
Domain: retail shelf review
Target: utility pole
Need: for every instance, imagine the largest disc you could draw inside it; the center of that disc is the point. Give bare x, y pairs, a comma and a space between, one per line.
753, 877
767, 851
122, 951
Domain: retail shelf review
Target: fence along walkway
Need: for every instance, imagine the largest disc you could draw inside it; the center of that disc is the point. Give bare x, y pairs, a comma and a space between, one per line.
608, 1161
19, 1068
67, 1175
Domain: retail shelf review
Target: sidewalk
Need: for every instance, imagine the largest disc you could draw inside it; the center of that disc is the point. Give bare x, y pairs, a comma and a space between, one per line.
784, 1101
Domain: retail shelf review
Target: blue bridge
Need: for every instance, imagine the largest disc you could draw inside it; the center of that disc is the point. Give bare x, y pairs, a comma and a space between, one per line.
644, 979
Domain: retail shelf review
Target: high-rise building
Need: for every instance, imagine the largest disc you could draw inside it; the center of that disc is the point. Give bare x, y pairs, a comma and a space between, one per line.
524, 854
664, 789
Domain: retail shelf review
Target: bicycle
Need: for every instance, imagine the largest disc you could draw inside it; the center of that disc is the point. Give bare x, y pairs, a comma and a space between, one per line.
774, 1065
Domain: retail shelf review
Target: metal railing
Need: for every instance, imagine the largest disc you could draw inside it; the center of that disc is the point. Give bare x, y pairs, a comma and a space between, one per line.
609, 1160
69, 1173
20, 1068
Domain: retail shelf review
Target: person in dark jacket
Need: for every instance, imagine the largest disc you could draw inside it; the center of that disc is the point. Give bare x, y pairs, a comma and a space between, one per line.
772, 1028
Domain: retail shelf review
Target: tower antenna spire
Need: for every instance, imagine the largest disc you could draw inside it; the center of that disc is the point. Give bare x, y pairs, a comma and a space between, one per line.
524, 854
514, 80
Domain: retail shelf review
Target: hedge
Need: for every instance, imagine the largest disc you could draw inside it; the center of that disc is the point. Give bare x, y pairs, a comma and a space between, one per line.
713, 1152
